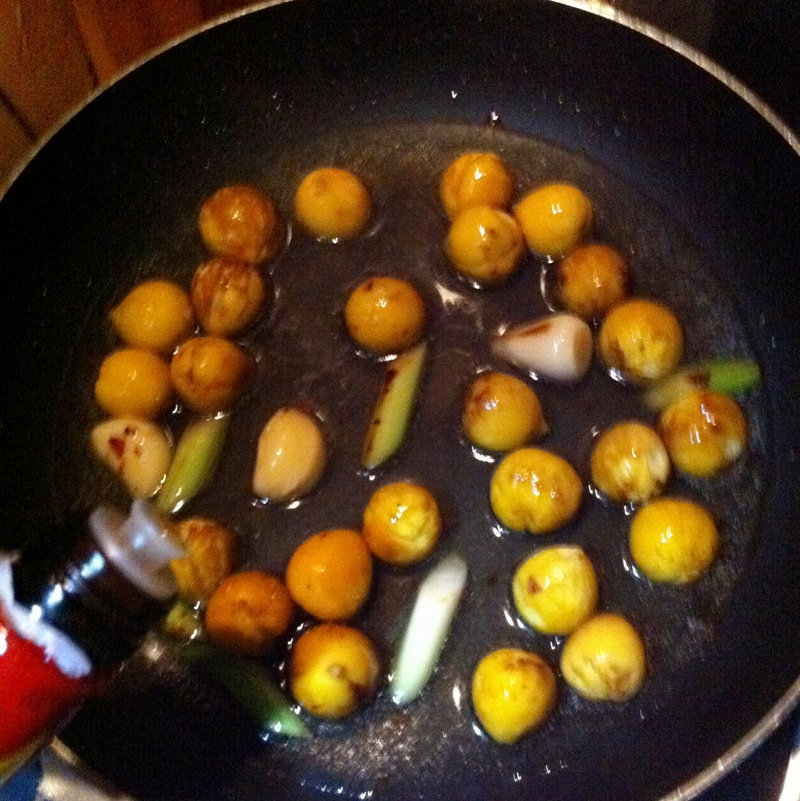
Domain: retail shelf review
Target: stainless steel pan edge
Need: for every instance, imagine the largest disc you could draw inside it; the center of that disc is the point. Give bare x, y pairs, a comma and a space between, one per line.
598, 7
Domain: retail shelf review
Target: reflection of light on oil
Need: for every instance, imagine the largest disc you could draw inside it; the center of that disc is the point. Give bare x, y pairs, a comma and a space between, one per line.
450, 298
457, 697
481, 456
513, 620
561, 766
630, 568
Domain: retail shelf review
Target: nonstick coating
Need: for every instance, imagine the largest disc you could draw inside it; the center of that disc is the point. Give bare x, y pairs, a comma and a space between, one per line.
112, 198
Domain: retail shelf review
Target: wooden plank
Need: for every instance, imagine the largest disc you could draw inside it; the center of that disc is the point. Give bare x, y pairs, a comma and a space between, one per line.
43, 66
14, 142
117, 32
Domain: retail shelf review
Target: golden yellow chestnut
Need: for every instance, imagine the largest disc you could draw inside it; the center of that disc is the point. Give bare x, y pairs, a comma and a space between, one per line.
501, 412
555, 589
591, 279
484, 244
535, 490
704, 432
554, 218
330, 574
513, 692
604, 659
154, 315
475, 179
333, 670
385, 315
248, 611
640, 340
133, 383
630, 463
673, 540
227, 295
332, 203
401, 523
210, 550
209, 373
241, 222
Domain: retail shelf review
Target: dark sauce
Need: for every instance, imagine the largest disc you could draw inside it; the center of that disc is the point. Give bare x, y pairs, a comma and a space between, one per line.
303, 354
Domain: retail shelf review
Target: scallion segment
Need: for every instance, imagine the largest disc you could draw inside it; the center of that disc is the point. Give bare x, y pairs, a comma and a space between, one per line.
249, 684
424, 638
184, 622
393, 408
194, 462
726, 376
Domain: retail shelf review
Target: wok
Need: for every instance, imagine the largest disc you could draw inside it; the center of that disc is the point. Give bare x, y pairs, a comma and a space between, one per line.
684, 171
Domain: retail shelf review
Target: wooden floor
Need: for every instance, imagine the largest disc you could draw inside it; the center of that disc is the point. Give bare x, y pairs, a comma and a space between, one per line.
53, 53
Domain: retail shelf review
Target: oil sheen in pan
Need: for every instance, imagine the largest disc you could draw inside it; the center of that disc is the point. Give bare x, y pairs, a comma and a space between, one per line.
303, 353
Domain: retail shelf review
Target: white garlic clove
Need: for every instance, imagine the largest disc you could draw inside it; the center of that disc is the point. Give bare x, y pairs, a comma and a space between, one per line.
558, 347
291, 456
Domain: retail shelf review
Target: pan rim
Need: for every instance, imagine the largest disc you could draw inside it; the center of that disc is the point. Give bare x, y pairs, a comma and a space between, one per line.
739, 751
600, 8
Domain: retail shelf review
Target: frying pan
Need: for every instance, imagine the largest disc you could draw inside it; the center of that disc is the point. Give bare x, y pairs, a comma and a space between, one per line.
686, 174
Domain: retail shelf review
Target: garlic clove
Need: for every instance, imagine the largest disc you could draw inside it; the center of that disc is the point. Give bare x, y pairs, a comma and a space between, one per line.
558, 347
138, 451
291, 456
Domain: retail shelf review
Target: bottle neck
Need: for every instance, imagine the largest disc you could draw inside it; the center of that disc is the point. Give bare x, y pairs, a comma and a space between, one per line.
93, 603
109, 590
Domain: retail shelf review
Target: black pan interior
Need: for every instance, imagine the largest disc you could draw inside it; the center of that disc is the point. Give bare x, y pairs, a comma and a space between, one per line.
683, 173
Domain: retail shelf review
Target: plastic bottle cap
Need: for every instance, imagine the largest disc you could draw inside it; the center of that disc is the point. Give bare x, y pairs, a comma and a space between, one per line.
138, 546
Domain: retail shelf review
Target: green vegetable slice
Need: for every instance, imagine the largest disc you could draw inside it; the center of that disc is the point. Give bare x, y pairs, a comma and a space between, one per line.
393, 407
435, 606
727, 376
194, 462
248, 683
184, 621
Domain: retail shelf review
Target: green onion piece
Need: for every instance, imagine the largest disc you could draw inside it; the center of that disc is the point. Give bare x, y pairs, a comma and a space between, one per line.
437, 600
193, 464
248, 683
727, 376
184, 621
393, 407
